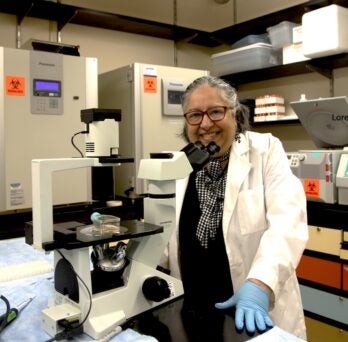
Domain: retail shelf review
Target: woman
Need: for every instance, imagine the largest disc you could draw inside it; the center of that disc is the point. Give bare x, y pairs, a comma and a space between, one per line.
242, 219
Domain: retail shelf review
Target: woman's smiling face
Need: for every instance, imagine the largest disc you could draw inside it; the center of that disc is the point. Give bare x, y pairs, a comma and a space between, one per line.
222, 132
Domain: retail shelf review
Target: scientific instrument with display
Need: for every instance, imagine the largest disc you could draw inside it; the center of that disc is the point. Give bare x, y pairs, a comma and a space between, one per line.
150, 99
40, 103
172, 91
323, 172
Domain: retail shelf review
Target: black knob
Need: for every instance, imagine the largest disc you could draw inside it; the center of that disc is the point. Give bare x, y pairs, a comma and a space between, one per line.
156, 289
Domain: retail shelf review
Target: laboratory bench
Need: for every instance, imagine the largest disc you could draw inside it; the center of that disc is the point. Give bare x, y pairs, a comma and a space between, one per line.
168, 322
26, 272
322, 272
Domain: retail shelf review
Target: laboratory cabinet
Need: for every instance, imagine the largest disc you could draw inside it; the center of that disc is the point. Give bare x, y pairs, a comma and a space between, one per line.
320, 271
321, 332
345, 277
325, 240
322, 303
323, 272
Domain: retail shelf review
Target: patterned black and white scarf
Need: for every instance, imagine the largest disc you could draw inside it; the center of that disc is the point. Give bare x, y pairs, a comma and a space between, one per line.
210, 185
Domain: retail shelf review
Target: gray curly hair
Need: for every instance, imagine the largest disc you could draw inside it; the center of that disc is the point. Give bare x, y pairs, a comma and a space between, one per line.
228, 94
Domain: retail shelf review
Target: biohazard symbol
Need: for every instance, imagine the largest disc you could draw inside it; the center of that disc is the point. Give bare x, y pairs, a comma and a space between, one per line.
150, 84
312, 187
15, 85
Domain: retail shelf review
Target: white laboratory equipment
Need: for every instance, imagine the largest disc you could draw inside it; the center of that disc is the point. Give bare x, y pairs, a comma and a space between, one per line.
342, 179
323, 172
103, 297
150, 99
317, 170
41, 96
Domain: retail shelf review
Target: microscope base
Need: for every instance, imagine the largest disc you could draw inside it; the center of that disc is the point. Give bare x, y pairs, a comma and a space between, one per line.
107, 324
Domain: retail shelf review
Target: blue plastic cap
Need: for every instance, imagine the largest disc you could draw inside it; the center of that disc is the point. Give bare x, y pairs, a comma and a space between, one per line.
95, 217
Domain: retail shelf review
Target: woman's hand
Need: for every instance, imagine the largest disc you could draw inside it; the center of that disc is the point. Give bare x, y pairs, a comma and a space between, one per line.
252, 305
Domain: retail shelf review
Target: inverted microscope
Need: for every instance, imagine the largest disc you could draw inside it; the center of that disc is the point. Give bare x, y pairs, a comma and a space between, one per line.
107, 273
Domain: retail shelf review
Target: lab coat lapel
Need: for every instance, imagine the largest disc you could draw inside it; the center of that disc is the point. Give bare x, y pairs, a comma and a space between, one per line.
238, 169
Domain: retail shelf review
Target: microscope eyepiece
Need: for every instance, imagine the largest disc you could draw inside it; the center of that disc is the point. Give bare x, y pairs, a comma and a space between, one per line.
199, 145
198, 154
212, 148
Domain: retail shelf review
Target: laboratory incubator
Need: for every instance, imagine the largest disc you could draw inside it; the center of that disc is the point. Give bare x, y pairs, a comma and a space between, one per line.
149, 96
41, 95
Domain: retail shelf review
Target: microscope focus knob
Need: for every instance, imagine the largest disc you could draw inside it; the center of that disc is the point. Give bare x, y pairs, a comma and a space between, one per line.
156, 289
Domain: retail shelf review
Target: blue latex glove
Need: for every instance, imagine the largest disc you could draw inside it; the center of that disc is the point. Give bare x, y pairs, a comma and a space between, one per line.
252, 304
95, 218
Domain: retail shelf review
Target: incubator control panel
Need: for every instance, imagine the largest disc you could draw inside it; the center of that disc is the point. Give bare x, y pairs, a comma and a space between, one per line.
295, 159
172, 91
46, 73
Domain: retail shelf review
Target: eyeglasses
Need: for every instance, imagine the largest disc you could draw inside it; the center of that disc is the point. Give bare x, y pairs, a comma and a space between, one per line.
195, 117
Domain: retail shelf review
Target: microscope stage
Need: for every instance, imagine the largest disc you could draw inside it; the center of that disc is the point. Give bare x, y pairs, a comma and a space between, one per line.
69, 236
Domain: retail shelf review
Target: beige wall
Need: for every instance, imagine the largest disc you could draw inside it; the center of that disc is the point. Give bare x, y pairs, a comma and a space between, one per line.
114, 49
205, 15
250, 9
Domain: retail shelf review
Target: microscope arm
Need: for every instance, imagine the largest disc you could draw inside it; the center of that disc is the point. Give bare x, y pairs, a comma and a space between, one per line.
42, 170
161, 171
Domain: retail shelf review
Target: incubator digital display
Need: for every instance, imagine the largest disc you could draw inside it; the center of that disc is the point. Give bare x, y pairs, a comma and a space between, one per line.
172, 92
174, 96
47, 88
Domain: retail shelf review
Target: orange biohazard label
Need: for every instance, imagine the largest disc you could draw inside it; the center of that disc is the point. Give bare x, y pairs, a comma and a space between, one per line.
15, 85
312, 187
150, 84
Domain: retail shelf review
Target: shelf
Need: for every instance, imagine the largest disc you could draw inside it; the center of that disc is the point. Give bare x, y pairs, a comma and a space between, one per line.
67, 14
64, 14
231, 34
275, 122
323, 65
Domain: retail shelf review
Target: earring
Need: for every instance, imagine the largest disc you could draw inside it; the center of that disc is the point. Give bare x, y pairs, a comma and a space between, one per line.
237, 137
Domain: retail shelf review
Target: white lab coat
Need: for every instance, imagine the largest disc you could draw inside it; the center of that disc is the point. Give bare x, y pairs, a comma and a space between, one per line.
264, 225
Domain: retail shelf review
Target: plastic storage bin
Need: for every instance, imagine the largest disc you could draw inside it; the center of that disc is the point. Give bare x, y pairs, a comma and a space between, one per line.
251, 39
325, 31
281, 34
255, 56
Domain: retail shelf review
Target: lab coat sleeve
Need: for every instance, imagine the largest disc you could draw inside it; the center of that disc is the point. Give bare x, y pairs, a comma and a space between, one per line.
283, 242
